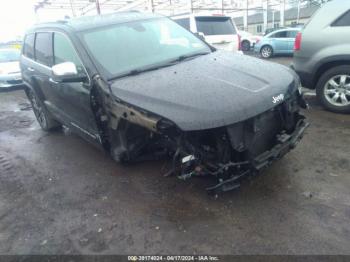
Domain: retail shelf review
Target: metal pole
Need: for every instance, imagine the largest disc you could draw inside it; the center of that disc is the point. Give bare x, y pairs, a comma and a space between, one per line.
265, 13
222, 7
298, 17
247, 15
71, 6
98, 9
282, 9
191, 6
152, 5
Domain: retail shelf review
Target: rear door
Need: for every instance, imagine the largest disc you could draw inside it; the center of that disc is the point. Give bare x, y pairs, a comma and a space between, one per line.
280, 41
42, 68
27, 59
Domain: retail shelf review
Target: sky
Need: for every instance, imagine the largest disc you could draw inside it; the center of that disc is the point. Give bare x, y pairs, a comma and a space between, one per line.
18, 15
15, 17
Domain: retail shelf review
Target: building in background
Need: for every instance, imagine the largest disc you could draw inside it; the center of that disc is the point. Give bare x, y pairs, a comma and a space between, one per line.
256, 21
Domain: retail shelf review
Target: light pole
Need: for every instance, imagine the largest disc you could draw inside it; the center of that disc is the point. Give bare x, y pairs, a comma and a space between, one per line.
72, 7
298, 17
98, 9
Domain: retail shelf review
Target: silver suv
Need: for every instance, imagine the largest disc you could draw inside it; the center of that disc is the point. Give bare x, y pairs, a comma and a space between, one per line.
322, 55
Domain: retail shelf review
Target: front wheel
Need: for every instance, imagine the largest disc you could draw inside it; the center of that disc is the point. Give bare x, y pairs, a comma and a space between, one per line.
245, 45
266, 51
333, 89
45, 120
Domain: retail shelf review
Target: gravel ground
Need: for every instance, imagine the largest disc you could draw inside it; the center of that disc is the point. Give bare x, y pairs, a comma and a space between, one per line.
61, 195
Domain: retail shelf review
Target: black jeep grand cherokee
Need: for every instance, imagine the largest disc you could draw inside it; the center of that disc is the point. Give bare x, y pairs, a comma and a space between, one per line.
140, 86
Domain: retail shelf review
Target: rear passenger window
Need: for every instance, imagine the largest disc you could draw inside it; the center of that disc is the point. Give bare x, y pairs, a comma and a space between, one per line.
65, 52
184, 22
28, 47
282, 34
43, 48
344, 20
292, 34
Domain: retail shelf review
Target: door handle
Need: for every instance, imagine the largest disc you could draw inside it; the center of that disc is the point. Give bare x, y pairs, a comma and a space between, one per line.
31, 69
53, 81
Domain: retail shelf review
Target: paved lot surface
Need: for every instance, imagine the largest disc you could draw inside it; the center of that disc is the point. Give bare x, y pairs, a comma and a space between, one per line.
60, 195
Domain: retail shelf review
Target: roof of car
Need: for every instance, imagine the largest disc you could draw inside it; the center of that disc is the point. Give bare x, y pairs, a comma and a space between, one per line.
88, 22
284, 29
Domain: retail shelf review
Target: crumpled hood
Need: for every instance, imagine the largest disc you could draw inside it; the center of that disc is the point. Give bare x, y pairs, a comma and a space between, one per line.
209, 91
9, 68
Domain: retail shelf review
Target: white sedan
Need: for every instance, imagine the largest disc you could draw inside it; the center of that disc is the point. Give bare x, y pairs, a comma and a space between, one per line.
10, 73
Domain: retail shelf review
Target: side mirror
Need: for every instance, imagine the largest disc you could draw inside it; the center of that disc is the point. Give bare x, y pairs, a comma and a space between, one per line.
200, 35
66, 72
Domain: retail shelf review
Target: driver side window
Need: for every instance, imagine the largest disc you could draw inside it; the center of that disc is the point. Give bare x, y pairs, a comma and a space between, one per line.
65, 52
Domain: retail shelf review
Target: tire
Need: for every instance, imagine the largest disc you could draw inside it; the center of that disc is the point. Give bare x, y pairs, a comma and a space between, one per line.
266, 51
245, 45
45, 120
333, 89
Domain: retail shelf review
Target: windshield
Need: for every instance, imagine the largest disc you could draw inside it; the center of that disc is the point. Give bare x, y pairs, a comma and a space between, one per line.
9, 55
215, 25
121, 48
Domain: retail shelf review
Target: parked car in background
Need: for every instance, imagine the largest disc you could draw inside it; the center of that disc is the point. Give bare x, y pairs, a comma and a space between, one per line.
10, 73
218, 30
277, 43
322, 55
248, 40
272, 29
140, 86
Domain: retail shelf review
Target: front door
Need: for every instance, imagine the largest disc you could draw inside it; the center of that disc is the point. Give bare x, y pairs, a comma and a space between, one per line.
72, 100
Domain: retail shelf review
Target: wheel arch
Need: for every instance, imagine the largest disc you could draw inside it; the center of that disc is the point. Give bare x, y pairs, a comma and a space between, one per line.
267, 44
325, 65
33, 85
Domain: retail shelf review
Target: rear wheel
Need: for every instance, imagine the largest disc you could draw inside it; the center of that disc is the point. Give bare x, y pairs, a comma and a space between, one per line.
245, 45
45, 120
333, 89
266, 51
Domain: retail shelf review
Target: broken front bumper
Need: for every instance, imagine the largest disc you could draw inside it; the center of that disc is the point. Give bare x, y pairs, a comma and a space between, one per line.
286, 142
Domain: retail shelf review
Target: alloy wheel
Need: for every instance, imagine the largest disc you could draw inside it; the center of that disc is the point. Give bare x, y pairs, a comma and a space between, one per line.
337, 90
266, 52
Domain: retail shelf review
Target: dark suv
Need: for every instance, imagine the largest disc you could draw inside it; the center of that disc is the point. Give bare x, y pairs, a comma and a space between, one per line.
141, 86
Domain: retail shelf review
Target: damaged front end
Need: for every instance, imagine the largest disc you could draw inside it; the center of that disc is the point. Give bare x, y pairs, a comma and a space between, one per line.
226, 153
242, 149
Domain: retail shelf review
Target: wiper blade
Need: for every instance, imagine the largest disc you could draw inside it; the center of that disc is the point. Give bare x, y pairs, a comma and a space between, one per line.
184, 57
139, 71
172, 62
